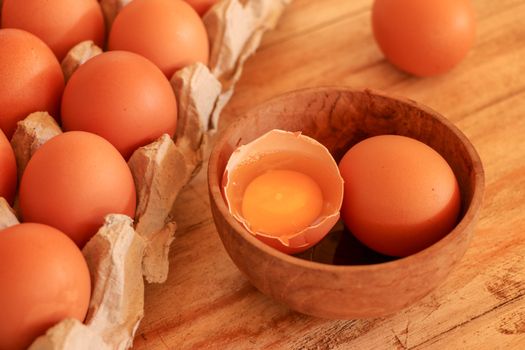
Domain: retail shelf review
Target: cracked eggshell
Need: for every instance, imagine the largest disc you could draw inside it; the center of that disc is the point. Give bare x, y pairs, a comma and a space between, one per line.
280, 149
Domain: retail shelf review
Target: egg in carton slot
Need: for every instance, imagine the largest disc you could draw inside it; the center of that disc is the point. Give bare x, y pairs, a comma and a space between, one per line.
127, 251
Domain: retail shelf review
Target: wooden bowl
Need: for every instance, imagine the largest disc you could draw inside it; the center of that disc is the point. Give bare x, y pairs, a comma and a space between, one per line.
339, 118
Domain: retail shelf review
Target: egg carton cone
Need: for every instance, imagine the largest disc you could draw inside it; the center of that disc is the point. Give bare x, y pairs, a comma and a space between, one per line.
128, 252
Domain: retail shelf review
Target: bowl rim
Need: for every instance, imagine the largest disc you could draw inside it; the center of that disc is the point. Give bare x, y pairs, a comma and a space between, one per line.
468, 218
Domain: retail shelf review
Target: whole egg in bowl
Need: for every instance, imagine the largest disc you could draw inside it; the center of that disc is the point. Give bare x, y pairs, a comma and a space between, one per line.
285, 189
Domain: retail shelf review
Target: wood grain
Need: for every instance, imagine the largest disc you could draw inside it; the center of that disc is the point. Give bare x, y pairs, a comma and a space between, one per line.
208, 304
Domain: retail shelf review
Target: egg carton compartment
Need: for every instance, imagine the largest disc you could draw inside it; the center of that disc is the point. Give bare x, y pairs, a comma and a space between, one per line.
127, 252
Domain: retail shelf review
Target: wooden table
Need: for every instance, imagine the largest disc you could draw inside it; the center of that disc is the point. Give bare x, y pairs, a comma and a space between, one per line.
208, 304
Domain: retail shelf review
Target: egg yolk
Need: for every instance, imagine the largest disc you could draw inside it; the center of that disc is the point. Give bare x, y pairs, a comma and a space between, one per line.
282, 202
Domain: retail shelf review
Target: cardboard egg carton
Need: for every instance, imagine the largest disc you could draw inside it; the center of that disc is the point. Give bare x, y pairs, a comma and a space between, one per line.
124, 253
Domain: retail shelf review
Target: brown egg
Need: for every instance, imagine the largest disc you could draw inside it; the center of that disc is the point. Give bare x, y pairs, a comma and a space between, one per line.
424, 37
400, 196
30, 78
201, 6
168, 32
44, 279
73, 181
285, 189
61, 24
122, 97
7, 169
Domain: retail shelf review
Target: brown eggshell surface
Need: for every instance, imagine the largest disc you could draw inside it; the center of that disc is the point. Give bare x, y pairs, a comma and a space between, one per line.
424, 38
73, 181
122, 97
31, 79
401, 196
168, 32
61, 24
44, 279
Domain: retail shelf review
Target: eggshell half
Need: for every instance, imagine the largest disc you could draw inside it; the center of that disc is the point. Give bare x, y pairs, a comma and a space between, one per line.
280, 149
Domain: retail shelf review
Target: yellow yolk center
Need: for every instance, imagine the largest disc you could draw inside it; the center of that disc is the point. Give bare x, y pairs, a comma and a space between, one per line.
282, 202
